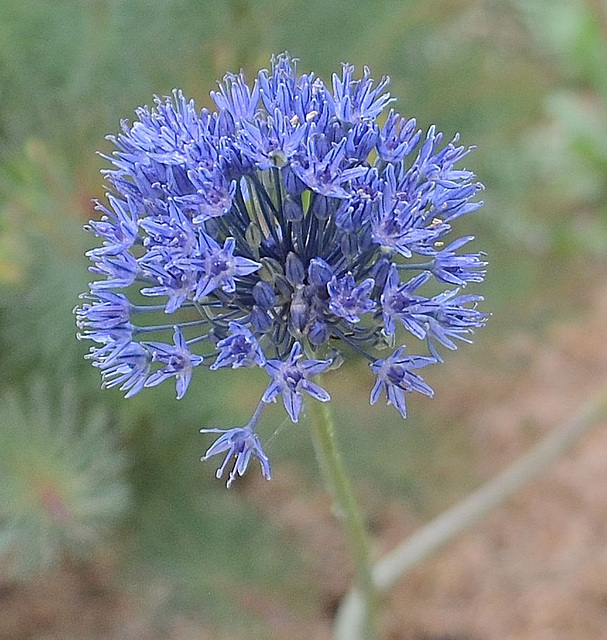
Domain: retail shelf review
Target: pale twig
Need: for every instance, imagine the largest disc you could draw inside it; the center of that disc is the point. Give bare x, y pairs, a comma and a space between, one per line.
449, 524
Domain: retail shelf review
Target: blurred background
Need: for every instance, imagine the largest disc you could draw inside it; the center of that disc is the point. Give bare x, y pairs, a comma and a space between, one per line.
111, 528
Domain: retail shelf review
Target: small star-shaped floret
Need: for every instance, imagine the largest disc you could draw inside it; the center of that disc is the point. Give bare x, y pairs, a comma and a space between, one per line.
178, 361
395, 376
290, 378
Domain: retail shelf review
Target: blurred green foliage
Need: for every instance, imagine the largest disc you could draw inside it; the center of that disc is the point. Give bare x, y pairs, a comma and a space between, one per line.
525, 82
63, 482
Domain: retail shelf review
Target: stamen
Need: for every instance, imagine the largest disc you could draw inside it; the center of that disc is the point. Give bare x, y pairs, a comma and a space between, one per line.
166, 327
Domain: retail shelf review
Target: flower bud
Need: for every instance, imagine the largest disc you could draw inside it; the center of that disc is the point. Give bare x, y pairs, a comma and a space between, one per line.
264, 295
320, 207
379, 272
319, 333
293, 210
260, 319
295, 271
349, 245
293, 185
298, 316
319, 272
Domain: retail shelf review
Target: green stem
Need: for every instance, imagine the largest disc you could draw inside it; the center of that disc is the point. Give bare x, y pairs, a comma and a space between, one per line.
348, 512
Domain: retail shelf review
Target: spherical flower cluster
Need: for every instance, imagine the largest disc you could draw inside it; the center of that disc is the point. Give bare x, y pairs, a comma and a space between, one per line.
295, 222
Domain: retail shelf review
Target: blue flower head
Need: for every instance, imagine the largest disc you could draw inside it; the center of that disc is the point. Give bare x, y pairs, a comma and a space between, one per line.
295, 224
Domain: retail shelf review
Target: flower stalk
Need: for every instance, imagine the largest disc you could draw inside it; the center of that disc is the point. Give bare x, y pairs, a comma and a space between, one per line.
348, 513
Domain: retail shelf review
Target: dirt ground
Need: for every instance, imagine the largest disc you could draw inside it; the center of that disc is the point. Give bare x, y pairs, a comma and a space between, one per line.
536, 569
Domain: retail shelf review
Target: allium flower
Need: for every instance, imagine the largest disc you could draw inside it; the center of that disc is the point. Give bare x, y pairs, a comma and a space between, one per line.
239, 349
348, 300
290, 378
177, 359
295, 224
240, 443
395, 376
